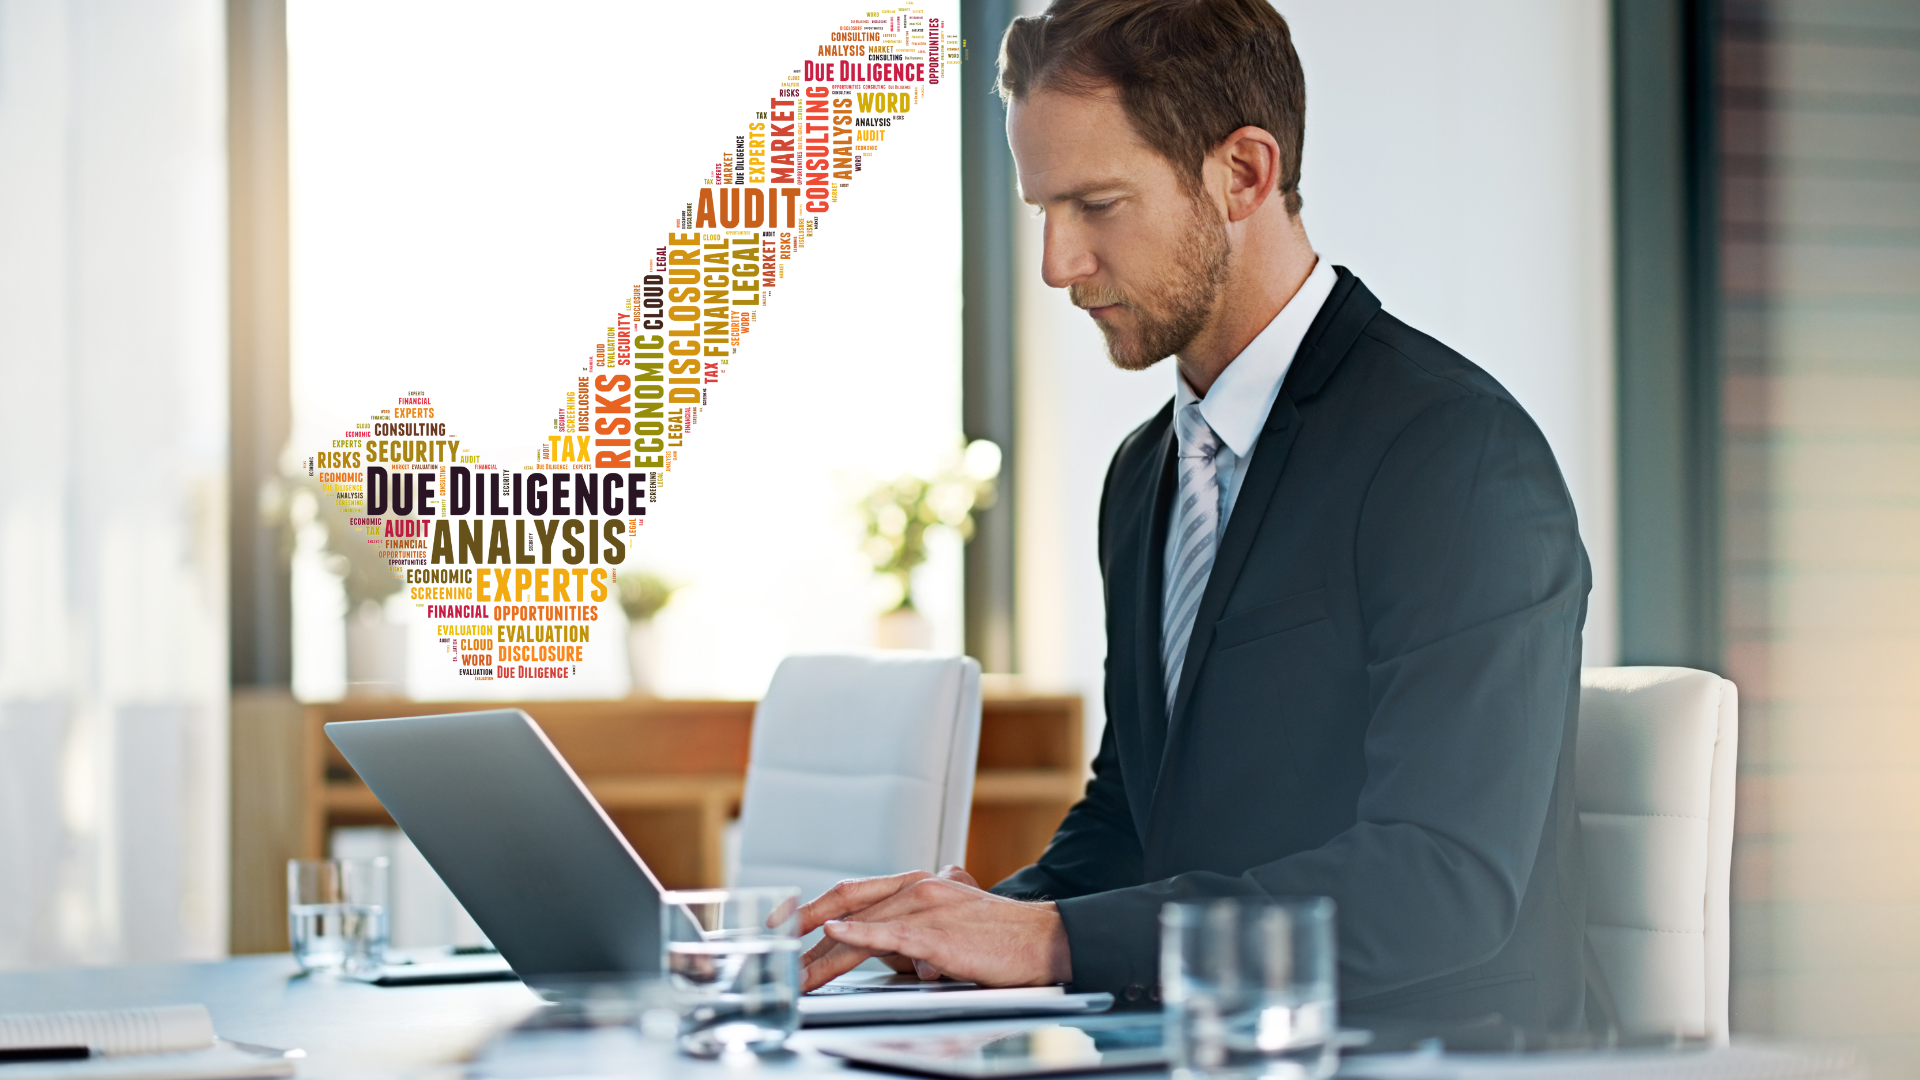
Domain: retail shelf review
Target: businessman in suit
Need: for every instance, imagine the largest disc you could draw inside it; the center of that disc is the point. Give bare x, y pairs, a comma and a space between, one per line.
1345, 587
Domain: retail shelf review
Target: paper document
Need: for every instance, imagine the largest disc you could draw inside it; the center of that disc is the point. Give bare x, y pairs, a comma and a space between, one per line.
111, 1031
222, 1061
169, 1042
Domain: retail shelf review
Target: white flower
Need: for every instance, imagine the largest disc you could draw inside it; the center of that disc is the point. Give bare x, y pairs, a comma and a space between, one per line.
878, 550
891, 520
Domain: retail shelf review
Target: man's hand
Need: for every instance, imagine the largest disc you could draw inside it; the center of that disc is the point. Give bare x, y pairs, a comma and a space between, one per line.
857, 895
944, 924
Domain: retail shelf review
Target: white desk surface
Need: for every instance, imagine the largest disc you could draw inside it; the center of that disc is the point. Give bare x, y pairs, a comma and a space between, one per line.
346, 1028
354, 1029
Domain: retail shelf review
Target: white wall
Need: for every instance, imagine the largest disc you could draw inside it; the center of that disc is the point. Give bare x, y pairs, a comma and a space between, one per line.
1457, 159
113, 421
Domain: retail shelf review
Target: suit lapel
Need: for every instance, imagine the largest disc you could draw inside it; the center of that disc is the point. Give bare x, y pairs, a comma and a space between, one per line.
1341, 319
1152, 683
1134, 571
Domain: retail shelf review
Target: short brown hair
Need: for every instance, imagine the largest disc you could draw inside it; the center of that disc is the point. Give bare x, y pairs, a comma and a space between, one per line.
1189, 72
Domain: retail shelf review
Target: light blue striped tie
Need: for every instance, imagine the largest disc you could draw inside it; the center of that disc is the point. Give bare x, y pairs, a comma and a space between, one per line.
1192, 534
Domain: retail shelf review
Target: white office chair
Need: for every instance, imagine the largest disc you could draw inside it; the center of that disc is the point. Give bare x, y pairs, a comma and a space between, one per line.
861, 765
1655, 779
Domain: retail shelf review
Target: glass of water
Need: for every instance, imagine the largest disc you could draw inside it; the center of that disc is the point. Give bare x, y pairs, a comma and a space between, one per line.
733, 963
1249, 986
337, 913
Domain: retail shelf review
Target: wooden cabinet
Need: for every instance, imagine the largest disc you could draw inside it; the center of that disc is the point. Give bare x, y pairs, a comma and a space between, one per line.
670, 774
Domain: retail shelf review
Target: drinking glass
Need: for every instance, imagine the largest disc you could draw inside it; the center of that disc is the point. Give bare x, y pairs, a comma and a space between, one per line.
733, 962
1249, 986
337, 913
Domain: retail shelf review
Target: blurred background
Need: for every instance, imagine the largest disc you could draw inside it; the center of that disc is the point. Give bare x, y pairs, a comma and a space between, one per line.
1685, 233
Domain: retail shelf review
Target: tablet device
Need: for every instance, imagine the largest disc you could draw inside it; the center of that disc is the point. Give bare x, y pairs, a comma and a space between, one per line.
1094, 1044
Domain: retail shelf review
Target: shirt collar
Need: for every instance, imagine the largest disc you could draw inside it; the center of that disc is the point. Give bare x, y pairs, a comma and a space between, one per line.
1236, 407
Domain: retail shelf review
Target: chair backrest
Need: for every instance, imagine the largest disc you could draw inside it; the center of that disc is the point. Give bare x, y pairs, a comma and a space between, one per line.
861, 764
1655, 780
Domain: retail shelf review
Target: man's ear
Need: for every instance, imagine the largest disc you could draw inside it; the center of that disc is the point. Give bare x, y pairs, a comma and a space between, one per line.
1250, 157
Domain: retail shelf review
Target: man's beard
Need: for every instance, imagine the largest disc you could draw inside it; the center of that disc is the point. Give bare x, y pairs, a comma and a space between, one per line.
1183, 303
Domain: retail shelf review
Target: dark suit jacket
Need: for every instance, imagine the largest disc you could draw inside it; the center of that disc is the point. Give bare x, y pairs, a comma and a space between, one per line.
1378, 701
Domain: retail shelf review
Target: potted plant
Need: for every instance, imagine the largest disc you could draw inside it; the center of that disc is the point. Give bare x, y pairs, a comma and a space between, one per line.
899, 514
642, 595
376, 646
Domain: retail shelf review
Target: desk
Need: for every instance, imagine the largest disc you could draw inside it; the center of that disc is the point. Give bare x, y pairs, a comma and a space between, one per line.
351, 1029
346, 1028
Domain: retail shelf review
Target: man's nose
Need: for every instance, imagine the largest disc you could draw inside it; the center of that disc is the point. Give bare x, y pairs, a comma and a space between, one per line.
1065, 259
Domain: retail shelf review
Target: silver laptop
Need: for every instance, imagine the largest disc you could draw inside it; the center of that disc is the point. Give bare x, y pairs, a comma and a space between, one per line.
503, 820
522, 844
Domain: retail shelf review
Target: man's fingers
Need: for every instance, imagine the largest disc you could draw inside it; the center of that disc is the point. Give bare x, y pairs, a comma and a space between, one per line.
957, 930
912, 894
959, 874
905, 901
851, 896
875, 918
783, 911
917, 896
824, 948
820, 948
832, 965
877, 937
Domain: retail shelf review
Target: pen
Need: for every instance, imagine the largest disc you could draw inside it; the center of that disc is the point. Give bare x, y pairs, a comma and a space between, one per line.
44, 1053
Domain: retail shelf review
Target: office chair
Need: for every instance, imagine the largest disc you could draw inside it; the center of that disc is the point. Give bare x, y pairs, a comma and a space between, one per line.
1654, 785
860, 765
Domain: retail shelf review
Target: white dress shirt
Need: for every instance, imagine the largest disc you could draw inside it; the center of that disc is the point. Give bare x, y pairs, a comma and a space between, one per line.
1237, 405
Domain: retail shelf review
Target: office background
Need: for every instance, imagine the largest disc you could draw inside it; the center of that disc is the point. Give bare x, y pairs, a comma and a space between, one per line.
1684, 233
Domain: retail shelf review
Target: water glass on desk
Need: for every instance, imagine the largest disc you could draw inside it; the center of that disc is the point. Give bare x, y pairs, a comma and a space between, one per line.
337, 913
733, 964
1249, 987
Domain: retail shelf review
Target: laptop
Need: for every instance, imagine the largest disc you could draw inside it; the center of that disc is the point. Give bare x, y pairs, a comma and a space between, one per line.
526, 849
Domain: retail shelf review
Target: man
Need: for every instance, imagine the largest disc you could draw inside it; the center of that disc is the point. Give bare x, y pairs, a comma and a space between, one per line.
1345, 586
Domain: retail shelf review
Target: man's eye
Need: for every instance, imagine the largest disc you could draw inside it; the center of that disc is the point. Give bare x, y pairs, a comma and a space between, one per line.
1096, 207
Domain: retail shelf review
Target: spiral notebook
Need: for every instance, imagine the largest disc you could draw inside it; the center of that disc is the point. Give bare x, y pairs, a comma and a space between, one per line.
168, 1042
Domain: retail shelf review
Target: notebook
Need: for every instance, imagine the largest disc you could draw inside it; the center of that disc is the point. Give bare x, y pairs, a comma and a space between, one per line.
168, 1042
